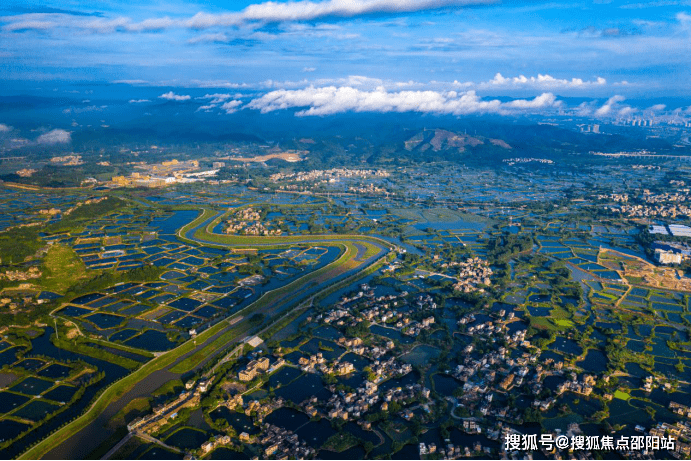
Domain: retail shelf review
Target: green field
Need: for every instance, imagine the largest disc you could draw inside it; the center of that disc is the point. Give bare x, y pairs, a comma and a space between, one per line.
621, 395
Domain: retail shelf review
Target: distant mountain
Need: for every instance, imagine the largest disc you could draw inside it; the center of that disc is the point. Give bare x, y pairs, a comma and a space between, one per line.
443, 140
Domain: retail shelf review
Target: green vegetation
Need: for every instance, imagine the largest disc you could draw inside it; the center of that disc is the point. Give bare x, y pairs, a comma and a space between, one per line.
62, 268
58, 176
170, 387
121, 347
110, 278
81, 346
619, 394
86, 212
339, 442
257, 319
136, 407
19, 243
500, 249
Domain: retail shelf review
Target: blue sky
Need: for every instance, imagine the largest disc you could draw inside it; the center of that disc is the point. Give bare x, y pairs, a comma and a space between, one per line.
387, 55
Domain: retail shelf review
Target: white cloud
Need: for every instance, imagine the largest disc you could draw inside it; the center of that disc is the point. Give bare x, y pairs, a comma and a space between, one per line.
216, 98
131, 82
4, 128
216, 84
539, 102
105, 26
210, 38
153, 25
271, 11
657, 107
545, 82
170, 96
81, 110
684, 19
306, 10
333, 100
139, 101
607, 107
655, 4
359, 81
627, 111
56, 136
231, 106
29, 25
309, 69
585, 109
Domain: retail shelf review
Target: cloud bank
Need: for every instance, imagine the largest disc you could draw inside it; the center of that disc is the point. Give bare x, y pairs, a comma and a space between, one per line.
56, 136
231, 106
541, 82
608, 107
170, 96
267, 12
334, 100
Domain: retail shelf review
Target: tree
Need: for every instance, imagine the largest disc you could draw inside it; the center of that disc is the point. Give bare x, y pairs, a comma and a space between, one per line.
256, 319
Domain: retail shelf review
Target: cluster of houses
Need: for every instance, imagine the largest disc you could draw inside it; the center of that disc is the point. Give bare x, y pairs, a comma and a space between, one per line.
583, 386
671, 210
352, 405
332, 175
33, 273
496, 370
383, 370
405, 394
215, 442
247, 221
349, 342
485, 328
680, 431
18, 302
279, 443
368, 189
264, 409
339, 368
425, 301
450, 451
472, 272
312, 363
373, 351
253, 369
513, 161
161, 414
620, 198
681, 410
389, 311
650, 382
415, 328
665, 197
333, 316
